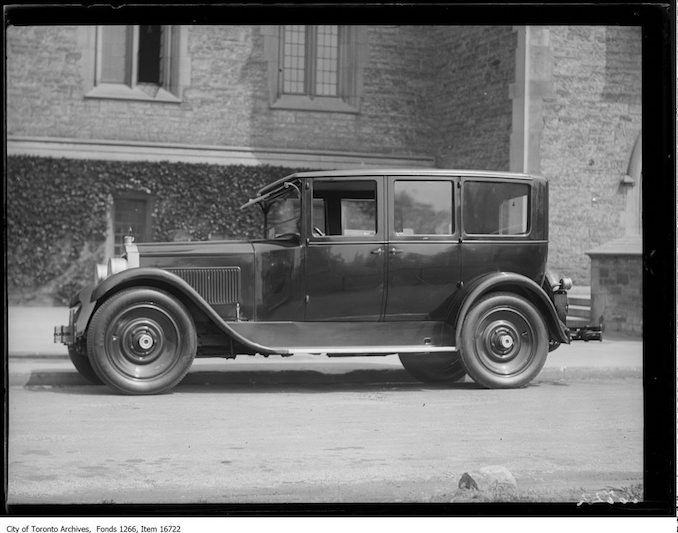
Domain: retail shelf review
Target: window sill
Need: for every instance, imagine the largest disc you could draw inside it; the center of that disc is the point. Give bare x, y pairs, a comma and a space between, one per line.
318, 103
125, 92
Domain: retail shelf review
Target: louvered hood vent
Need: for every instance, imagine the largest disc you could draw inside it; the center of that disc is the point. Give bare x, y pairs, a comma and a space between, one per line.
215, 285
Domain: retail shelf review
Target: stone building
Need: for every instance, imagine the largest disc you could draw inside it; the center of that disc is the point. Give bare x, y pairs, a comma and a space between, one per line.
560, 101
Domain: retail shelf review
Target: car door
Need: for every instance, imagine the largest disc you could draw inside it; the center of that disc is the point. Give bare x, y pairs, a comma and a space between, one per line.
423, 254
499, 231
345, 249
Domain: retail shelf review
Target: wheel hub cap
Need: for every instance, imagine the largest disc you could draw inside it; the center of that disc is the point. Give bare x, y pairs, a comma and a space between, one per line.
144, 341
502, 341
505, 341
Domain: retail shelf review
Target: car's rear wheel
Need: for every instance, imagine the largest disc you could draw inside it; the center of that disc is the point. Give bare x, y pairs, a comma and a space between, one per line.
141, 341
434, 367
78, 355
504, 341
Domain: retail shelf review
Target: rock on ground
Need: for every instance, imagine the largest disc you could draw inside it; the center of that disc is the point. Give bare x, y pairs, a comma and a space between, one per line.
488, 477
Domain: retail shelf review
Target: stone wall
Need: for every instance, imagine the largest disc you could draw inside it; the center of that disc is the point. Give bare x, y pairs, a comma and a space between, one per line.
474, 67
436, 91
590, 123
617, 291
225, 101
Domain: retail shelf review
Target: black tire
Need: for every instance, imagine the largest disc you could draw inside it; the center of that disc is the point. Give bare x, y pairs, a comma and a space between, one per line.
141, 341
434, 367
78, 356
504, 341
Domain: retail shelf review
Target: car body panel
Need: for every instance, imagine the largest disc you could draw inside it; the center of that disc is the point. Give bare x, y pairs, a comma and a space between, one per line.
279, 281
204, 261
345, 281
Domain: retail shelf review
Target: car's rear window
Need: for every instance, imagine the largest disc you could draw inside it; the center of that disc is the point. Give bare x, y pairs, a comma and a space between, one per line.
496, 208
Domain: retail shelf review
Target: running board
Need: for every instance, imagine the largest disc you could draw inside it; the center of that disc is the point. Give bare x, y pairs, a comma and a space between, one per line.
340, 351
348, 338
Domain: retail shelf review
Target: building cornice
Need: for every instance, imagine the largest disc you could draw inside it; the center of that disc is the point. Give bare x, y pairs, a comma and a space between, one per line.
220, 155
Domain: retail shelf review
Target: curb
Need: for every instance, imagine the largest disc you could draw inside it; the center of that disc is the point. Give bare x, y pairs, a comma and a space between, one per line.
314, 378
583, 373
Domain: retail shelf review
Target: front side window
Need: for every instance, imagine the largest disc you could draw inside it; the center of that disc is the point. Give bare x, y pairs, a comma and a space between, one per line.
495, 208
358, 217
345, 208
282, 215
137, 62
423, 207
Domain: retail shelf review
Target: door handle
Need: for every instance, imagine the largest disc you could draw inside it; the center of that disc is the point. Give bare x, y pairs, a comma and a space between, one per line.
378, 251
395, 251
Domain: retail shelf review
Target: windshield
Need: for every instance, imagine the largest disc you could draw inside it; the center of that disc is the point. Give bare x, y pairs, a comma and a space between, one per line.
282, 215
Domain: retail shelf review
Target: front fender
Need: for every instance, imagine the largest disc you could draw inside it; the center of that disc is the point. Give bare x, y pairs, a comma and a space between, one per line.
509, 282
164, 280
154, 277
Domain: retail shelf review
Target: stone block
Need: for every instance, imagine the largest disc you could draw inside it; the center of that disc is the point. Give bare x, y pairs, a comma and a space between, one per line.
488, 478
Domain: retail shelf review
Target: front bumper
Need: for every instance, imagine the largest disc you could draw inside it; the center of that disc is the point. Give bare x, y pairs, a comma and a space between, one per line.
66, 334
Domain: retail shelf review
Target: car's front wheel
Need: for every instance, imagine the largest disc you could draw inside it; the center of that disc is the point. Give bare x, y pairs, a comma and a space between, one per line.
433, 367
504, 341
141, 341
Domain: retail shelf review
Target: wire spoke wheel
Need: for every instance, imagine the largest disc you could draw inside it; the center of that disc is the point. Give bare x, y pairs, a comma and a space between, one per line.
143, 341
504, 341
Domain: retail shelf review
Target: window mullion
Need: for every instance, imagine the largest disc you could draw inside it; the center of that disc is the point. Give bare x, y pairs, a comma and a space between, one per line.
133, 50
311, 47
281, 60
99, 55
342, 65
165, 56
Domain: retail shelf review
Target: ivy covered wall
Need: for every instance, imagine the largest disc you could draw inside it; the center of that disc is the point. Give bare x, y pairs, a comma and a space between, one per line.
57, 213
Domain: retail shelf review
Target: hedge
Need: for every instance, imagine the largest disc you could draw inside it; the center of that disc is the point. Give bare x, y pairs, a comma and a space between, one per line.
57, 213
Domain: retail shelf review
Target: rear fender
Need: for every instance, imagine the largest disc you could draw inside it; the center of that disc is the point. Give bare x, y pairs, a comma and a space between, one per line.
513, 283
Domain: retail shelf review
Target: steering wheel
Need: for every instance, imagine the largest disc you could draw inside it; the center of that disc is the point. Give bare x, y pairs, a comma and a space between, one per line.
317, 232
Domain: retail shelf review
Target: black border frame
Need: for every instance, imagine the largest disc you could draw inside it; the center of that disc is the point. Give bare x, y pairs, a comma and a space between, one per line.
658, 22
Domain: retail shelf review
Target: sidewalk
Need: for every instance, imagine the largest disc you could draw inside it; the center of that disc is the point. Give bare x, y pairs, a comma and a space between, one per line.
34, 359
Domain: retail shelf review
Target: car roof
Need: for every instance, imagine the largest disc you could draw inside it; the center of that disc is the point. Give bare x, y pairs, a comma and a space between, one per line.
414, 172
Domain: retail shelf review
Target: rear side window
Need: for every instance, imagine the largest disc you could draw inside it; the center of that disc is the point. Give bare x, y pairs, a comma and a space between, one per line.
423, 208
494, 208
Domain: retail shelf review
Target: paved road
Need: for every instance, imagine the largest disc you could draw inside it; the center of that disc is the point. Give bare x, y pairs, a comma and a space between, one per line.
318, 441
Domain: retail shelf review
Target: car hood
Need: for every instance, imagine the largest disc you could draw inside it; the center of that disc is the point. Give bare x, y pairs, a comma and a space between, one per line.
195, 254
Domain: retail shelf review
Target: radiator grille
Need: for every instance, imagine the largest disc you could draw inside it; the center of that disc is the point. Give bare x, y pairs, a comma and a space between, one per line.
215, 285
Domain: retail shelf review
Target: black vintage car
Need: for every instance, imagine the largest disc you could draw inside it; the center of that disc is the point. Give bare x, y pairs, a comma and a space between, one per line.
445, 268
